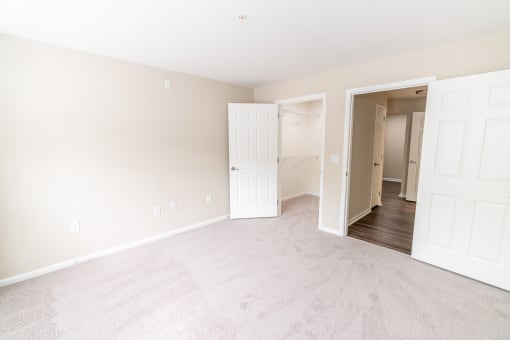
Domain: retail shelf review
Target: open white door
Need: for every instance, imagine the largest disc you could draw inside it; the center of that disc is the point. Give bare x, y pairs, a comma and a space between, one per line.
463, 212
253, 160
378, 158
413, 168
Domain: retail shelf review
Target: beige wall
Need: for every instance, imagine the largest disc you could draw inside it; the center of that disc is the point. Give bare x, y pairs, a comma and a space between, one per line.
469, 56
362, 151
394, 143
99, 140
300, 150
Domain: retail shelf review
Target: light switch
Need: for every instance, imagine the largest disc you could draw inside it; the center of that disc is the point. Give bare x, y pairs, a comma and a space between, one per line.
168, 84
74, 227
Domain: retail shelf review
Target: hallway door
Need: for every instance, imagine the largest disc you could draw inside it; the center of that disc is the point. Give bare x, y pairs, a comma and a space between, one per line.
413, 168
378, 158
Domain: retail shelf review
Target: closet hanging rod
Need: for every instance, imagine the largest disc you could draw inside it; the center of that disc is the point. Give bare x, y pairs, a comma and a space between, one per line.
299, 159
302, 159
298, 112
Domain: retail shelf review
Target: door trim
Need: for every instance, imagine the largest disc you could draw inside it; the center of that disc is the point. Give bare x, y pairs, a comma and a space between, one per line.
317, 96
347, 139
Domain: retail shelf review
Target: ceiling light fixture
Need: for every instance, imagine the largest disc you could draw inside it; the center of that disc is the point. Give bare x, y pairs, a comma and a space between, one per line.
242, 18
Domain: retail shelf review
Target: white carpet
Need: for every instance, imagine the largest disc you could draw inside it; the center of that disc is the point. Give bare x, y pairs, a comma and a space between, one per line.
255, 279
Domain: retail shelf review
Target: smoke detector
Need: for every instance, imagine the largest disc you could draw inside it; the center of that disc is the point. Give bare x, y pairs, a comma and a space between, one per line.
242, 18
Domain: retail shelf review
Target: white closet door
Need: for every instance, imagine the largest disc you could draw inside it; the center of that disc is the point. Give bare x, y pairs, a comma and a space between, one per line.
253, 160
378, 157
413, 168
463, 211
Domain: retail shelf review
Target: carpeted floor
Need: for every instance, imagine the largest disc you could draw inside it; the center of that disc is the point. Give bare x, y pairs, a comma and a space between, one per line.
255, 279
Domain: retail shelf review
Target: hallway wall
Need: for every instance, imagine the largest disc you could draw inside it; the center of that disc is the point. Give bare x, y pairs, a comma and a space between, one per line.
362, 151
394, 143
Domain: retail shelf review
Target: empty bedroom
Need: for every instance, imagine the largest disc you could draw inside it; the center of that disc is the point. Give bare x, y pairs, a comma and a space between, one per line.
248, 169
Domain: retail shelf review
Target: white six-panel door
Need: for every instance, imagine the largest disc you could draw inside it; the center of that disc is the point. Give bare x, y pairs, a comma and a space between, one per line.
413, 168
463, 213
253, 160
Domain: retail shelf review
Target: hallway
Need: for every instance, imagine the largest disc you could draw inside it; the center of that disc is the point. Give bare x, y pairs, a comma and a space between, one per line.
390, 225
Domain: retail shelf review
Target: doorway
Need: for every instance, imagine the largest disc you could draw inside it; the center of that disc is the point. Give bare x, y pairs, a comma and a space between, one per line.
301, 153
387, 128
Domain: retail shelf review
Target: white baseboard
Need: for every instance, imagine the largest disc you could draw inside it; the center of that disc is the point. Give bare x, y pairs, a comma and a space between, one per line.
330, 230
72, 262
300, 194
392, 180
359, 216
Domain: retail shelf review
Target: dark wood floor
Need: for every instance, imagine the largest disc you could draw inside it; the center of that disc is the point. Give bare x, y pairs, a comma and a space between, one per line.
390, 225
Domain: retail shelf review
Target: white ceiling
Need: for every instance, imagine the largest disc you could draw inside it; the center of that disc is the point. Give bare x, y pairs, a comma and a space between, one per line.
281, 39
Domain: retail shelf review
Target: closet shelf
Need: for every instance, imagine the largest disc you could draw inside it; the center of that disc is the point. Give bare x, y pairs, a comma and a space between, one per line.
299, 159
298, 113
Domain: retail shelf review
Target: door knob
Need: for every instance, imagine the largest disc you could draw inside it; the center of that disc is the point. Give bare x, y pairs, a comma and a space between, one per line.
234, 168
412, 162
376, 164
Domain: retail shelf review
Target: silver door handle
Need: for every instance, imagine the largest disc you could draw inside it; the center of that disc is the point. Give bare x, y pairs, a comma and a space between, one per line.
412, 162
376, 164
234, 168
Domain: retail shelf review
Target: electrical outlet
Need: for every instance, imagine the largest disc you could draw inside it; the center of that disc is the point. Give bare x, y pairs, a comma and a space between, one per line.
157, 210
208, 198
173, 206
74, 227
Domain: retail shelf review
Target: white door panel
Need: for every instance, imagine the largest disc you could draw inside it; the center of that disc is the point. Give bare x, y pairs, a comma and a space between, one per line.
463, 212
253, 160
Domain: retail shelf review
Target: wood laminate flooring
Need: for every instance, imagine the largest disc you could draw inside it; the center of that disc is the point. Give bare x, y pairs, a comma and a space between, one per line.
390, 225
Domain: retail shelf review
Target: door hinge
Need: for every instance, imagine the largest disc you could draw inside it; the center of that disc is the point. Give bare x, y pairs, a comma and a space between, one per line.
346, 174
278, 159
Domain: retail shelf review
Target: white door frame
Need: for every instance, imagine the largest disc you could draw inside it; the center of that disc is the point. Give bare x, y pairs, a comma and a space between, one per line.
295, 100
346, 155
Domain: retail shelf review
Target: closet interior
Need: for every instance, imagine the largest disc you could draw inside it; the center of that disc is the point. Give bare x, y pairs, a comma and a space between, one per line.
300, 155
